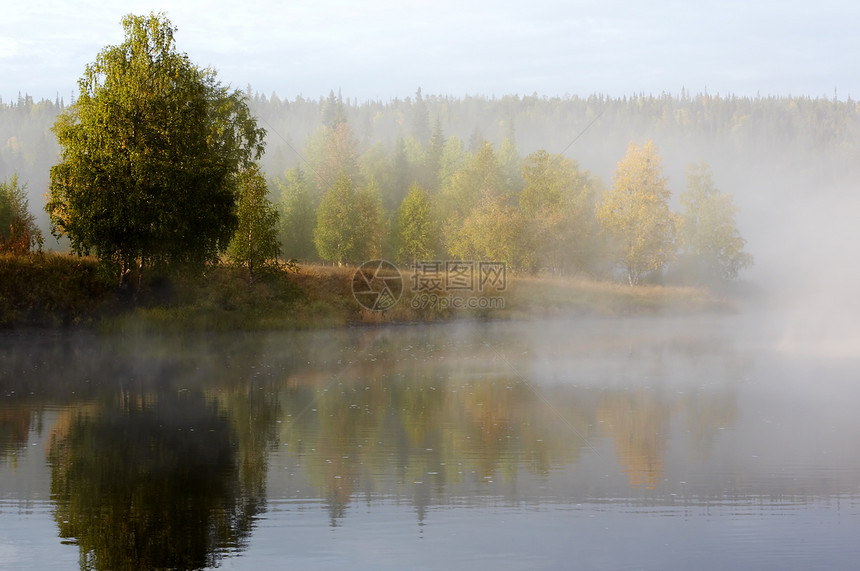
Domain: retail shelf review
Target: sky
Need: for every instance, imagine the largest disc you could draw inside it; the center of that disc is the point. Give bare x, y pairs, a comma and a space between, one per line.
375, 50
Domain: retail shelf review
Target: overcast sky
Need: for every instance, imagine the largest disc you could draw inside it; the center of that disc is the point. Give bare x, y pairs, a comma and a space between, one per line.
382, 50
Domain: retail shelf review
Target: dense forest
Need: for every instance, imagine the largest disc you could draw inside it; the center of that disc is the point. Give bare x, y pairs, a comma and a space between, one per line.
755, 149
724, 130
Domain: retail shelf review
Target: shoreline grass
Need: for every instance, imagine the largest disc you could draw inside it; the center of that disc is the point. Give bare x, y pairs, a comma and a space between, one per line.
62, 291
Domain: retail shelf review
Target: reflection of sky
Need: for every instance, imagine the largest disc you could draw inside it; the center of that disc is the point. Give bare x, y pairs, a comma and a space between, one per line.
759, 456
386, 536
28, 532
382, 49
28, 539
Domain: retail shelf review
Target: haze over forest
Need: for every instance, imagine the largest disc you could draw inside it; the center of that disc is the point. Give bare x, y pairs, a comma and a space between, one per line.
789, 162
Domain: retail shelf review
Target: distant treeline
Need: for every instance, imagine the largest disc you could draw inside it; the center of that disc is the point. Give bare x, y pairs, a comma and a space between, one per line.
772, 128
701, 126
519, 179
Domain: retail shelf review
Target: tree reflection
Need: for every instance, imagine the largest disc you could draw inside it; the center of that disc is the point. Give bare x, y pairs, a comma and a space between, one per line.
15, 424
398, 420
423, 431
437, 416
639, 426
152, 482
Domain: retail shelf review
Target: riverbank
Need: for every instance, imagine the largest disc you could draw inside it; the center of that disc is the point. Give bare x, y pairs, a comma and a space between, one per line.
55, 290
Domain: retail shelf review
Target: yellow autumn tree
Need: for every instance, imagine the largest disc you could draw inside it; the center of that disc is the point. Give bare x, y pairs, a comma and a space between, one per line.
495, 230
634, 214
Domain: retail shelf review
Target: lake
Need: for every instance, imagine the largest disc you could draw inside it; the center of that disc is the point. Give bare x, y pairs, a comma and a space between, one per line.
705, 442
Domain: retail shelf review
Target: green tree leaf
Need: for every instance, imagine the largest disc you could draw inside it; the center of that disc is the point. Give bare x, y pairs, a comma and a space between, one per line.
417, 229
713, 247
336, 232
150, 153
18, 230
256, 239
297, 216
559, 199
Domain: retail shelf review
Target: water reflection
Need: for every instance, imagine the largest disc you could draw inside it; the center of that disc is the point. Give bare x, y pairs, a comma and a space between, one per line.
15, 425
469, 415
155, 461
150, 481
166, 452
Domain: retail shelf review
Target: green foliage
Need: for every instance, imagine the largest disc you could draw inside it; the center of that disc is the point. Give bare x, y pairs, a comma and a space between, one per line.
510, 165
51, 290
333, 110
433, 157
480, 176
377, 166
774, 133
545, 204
150, 153
336, 232
635, 214
558, 199
350, 224
420, 120
297, 217
713, 246
451, 160
255, 242
495, 230
372, 229
401, 170
482, 221
18, 230
417, 229
333, 151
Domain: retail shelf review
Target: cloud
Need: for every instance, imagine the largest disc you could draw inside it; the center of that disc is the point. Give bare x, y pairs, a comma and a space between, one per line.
386, 49
8, 48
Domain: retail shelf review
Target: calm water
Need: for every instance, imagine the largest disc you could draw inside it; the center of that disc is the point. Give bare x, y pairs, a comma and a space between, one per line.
707, 443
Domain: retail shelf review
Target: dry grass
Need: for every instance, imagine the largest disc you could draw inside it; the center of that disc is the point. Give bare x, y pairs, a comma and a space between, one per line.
58, 290
547, 296
524, 297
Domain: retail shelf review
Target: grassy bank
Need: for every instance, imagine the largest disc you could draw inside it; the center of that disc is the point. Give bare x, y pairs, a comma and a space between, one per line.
54, 290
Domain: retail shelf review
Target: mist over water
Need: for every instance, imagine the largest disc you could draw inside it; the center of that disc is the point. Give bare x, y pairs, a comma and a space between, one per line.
697, 440
806, 252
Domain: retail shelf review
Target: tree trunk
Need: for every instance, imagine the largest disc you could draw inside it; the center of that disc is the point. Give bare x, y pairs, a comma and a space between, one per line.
250, 260
139, 275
